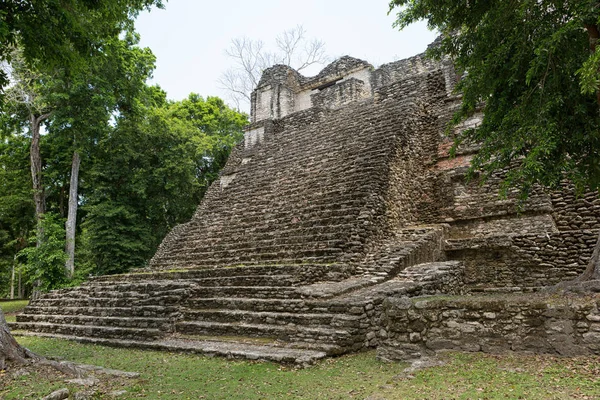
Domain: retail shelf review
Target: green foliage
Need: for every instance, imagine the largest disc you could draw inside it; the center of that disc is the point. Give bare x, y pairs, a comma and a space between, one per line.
150, 173
116, 237
530, 66
91, 99
63, 33
16, 204
212, 127
145, 162
11, 307
44, 260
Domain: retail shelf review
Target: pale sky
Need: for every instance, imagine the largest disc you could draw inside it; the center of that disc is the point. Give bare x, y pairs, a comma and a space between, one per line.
189, 37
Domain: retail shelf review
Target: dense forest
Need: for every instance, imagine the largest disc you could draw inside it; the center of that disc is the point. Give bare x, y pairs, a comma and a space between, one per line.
96, 165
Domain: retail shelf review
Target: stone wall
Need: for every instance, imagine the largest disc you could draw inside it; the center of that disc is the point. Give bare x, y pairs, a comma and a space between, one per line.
547, 240
412, 328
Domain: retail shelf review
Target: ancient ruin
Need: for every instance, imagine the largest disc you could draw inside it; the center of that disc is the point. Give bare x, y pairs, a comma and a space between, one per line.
338, 211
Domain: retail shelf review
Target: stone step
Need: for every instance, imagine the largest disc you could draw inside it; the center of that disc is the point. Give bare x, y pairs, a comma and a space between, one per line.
330, 349
146, 287
87, 320
301, 231
289, 179
202, 249
266, 230
254, 304
249, 280
295, 161
281, 292
312, 211
247, 259
269, 225
257, 256
114, 291
317, 270
144, 311
279, 353
90, 330
224, 246
325, 320
93, 291
260, 220
174, 263
317, 335
232, 280
251, 198
106, 302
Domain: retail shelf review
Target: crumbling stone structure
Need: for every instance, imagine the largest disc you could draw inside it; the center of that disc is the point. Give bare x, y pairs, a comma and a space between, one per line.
341, 199
413, 328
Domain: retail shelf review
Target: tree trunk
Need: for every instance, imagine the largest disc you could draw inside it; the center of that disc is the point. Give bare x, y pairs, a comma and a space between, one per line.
36, 166
588, 281
10, 350
592, 272
70, 225
12, 278
36, 178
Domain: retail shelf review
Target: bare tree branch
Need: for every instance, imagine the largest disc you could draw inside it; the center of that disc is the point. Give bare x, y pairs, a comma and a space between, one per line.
251, 58
314, 53
23, 83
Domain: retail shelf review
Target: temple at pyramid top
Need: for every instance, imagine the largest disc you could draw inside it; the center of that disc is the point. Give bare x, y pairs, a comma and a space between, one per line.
282, 90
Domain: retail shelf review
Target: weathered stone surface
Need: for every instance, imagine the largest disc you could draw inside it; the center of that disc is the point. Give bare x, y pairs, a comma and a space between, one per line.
521, 323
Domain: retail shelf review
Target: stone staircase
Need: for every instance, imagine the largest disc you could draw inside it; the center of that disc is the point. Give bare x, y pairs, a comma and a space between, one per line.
131, 310
299, 196
403, 248
286, 313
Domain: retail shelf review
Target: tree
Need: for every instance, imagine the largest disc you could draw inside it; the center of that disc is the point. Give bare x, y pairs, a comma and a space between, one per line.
534, 69
63, 33
77, 108
56, 35
212, 127
16, 207
150, 173
10, 350
29, 98
251, 58
45, 261
109, 86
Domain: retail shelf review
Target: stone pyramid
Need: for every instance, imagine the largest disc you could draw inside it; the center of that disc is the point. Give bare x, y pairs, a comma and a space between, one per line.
342, 195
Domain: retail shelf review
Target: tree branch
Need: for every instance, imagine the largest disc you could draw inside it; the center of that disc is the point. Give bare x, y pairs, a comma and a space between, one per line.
251, 59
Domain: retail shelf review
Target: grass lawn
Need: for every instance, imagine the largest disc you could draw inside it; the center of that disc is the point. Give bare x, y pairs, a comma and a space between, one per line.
10, 308
358, 376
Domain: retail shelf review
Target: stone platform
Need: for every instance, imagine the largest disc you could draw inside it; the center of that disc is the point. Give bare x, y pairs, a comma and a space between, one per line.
258, 312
